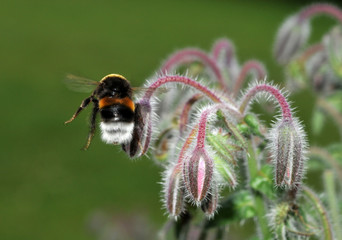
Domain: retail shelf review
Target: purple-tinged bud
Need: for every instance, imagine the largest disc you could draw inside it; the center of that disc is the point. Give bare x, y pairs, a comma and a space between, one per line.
291, 36
223, 52
174, 192
333, 46
198, 174
320, 73
288, 146
209, 205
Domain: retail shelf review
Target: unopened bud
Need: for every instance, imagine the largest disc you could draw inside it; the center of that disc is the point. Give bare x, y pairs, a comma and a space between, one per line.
320, 73
290, 38
209, 205
174, 193
198, 173
333, 47
288, 146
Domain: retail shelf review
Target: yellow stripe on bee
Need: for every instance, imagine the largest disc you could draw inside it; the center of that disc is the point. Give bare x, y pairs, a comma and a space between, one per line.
126, 101
113, 75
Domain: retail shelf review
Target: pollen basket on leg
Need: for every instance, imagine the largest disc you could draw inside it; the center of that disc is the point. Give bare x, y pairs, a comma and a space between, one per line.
116, 132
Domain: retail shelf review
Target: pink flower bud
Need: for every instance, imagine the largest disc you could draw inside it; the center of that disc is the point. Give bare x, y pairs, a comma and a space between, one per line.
198, 173
291, 36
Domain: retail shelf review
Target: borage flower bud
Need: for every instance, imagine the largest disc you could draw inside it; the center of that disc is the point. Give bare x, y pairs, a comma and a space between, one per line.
333, 46
288, 146
174, 192
209, 205
291, 36
320, 73
198, 174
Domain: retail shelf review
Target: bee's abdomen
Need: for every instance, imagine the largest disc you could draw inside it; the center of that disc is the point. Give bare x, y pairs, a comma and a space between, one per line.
108, 101
117, 113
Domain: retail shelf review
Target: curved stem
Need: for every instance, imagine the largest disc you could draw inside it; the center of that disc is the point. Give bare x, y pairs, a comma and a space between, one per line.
204, 118
252, 169
322, 212
184, 116
223, 45
310, 51
330, 190
180, 79
187, 144
247, 68
285, 108
187, 54
320, 8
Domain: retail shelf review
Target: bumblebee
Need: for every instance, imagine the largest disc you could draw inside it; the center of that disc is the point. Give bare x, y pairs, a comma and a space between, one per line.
112, 99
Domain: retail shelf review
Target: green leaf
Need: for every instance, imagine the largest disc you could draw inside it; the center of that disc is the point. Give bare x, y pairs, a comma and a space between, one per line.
263, 182
253, 123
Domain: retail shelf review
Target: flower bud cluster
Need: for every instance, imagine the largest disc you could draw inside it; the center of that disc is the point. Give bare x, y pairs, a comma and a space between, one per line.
319, 64
199, 131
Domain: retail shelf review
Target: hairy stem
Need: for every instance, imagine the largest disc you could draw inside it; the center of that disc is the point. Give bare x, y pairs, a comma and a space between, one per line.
223, 45
310, 51
180, 79
252, 171
327, 228
285, 108
185, 55
204, 119
321, 8
330, 190
247, 68
184, 116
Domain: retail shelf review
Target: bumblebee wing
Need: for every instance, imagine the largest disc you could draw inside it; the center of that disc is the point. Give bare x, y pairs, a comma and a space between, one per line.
80, 84
160, 90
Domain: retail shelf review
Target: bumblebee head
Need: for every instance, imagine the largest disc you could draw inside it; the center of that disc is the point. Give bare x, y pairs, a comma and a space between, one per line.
114, 85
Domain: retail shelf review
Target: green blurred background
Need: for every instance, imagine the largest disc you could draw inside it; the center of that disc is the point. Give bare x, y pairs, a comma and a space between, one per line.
49, 189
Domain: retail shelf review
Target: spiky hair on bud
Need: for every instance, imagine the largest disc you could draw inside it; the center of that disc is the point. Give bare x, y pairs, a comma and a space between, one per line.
277, 217
173, 190
288, 148
149, 120
287, 140
262, 89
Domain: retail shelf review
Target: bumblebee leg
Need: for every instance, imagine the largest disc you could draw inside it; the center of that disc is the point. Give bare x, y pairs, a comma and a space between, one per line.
84, 104
92, 124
